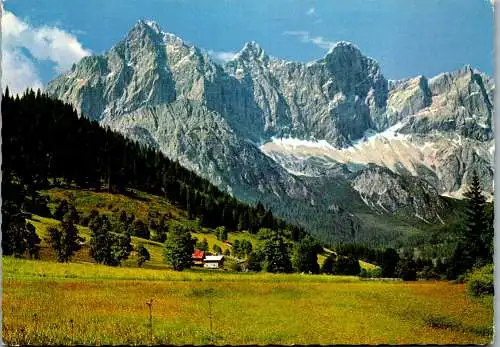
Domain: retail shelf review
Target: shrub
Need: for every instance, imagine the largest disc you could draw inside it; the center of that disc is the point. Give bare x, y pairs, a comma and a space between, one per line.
371, 273
254, 262
233, 266
328, 264
142, 254
140, 229
346, 266
480, 281
375, 272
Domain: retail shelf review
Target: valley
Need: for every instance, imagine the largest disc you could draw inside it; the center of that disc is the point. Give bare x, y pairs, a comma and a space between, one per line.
153, 193
99, 305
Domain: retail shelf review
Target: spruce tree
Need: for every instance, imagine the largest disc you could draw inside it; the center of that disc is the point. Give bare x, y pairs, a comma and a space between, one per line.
476, 231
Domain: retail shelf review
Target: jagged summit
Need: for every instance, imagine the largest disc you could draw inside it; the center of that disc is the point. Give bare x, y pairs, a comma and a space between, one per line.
252, 51
153, 25
152, 30
161, 91
343, 45
344, 52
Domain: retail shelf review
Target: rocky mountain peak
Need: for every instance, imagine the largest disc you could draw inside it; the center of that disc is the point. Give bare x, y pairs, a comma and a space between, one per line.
252, 51
161, 91
151, 31
347, 57
343, 46
153, 25
144, 30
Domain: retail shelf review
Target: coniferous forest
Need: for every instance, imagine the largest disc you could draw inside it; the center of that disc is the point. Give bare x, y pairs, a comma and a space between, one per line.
46, 144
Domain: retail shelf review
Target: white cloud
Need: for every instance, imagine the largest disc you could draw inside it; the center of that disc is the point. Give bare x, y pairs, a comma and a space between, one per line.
42, 43
305, 36
222, 56
18, 72
311, 11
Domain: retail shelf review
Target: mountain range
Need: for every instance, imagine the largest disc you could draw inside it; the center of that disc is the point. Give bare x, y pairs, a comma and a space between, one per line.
331, 144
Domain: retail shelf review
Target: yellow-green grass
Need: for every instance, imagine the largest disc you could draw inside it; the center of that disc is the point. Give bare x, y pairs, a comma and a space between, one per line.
362, 264
155, 248
49, 303
46, 253
367, 266
138, 203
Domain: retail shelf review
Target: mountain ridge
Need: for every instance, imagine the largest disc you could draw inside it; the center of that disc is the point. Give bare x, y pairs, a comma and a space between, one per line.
224, 121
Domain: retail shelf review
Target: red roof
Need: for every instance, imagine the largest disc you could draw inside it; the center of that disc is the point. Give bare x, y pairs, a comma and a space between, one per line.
198, 254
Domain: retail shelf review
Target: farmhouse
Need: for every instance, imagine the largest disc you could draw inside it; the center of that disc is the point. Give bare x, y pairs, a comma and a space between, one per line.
214, 261
198, 257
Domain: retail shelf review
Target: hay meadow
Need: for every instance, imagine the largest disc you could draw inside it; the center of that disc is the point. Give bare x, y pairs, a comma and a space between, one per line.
80, 303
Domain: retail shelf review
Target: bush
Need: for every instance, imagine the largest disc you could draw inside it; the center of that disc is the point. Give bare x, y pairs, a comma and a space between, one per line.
142, 254
328, 264
346, 266
233, 266
480, 281
371, 273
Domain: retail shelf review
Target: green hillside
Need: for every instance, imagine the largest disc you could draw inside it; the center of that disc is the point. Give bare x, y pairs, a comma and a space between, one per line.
142, 205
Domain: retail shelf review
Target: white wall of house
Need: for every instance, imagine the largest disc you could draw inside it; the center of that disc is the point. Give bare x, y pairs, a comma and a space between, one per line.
211, 265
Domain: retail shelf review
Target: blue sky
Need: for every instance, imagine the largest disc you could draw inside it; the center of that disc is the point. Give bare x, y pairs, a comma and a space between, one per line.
407, 37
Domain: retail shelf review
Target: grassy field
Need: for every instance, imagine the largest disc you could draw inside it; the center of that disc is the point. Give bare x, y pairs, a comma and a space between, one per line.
48, 303
141, 205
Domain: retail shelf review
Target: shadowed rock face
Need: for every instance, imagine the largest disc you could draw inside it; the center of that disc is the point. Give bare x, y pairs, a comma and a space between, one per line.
417, 137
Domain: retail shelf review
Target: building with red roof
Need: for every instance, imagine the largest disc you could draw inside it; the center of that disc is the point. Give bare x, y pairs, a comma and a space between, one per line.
198, 257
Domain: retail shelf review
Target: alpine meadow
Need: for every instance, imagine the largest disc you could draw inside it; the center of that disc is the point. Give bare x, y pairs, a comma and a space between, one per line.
166, 190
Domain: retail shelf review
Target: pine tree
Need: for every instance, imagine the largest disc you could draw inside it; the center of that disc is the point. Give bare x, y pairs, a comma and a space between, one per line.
389, 262
61, 210
476, 233
407, 268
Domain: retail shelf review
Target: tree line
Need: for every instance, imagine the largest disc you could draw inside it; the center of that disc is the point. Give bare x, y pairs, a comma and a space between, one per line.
46, 144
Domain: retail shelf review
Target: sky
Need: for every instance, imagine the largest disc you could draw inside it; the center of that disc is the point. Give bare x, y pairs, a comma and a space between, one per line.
43, 38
